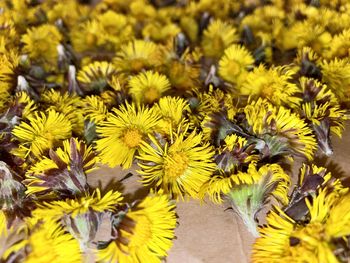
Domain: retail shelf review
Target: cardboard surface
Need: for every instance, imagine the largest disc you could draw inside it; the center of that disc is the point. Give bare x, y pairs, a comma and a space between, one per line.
207, 233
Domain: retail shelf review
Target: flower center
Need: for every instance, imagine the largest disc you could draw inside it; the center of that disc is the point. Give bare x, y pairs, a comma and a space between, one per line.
151, 94
137, 64
267, 90
175, 164
91, 39
132, 138
142, 232
218, 45
233, 68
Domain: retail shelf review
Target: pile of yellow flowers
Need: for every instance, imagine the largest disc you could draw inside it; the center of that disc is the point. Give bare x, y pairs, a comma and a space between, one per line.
211, 99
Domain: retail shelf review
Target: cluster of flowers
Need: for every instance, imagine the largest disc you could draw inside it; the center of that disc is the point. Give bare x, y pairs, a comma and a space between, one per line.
210, 99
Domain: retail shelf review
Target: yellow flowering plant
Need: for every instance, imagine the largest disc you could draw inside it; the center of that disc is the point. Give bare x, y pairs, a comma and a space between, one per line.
210, 99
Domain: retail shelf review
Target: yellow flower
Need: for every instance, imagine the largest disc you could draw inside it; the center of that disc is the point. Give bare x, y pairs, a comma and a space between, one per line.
339, 46
111, 98
22, 98
307, 60
142, 10
273, 84
9, 62
148, 87
234, 64
182, 70
308, 54
65, 154
281, 130
179, 167
235, 184
103, 34
69, 11
41, 44
264, 19
285, 240
314, 90
74, 207
40, 133
122, 133
218, 185
160, 31
307, 171
172, 112
321, 108
213, 101
217, 37
50, 243
254, 188
85, 35
274, 241
64, 103
145, 233
81, 216
94, 109
117, 28
336, 74
305, 33
137, 55
65, 170
96, 75
235, 153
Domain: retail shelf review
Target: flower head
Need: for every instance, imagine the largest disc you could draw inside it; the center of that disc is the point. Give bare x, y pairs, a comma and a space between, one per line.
8, 77
235, 153
321, 108
272, 84
339, 46
178, 167
75, 207
40, 133
65, 103
213, 110
96, 75
142, 234
281, 130
63, 173
172, 111
103, 34
94, 109
249, 191
50, 243
26, 103
148, 87
182, 69
41, 44
217, 37
335, 73
315, 241
234, 64
137, 55
255, 188
312, 179
82, 217
122, 133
